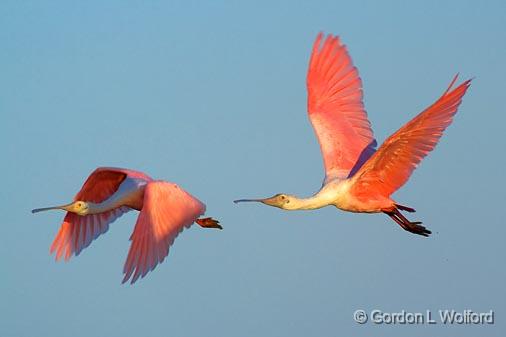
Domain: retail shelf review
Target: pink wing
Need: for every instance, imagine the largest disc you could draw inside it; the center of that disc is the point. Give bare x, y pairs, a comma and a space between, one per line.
167, 210
77, 232
390, 167
336, 110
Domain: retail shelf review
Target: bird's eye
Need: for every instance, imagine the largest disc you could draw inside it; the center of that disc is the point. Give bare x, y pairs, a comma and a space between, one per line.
282, 197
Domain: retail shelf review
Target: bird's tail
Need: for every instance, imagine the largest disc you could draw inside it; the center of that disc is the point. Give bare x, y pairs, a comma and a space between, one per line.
209, 223
405, 208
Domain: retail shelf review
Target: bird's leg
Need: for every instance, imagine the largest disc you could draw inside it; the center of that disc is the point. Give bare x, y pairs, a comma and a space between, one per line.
401, 220
396, 219
208, 223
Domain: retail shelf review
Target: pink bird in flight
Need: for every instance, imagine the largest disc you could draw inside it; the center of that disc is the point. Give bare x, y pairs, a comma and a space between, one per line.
359, 178
165, 210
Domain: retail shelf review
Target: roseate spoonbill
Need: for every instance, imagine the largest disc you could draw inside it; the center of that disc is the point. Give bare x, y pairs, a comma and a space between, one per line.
165, 210
357, 177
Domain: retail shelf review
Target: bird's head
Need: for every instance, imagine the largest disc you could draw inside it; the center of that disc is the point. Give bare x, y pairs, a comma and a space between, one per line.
283, 201
79, 207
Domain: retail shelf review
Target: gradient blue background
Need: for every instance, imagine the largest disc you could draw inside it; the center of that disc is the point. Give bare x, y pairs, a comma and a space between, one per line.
211, 95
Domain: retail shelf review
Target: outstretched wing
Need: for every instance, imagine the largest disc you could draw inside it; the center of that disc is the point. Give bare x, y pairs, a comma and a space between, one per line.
167, 210
335, 109
76, 231
390, 167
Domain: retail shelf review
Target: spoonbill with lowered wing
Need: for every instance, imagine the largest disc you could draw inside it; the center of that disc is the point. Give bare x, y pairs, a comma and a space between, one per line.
165, 210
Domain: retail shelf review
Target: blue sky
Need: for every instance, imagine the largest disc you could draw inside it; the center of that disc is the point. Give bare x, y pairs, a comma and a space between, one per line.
211, 95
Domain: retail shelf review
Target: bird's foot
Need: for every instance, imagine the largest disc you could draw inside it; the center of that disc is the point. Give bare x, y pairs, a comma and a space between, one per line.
412, 227
209, 223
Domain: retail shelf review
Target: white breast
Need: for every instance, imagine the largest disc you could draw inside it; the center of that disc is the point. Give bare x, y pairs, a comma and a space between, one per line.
336, 192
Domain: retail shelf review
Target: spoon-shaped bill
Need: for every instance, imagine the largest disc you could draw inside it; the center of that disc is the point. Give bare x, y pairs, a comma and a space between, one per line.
63, 207
272, 201
248, 200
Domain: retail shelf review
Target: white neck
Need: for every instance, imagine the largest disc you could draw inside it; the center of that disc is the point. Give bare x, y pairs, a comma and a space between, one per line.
313, 202
130, 191
102, 207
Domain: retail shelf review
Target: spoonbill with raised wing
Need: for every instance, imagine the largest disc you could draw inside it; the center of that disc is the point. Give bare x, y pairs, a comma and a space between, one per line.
359, 178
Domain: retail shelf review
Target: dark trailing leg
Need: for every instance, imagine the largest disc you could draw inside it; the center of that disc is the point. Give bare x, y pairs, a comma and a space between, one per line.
413, 227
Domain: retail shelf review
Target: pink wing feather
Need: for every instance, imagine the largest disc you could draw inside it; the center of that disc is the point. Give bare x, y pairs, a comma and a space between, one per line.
77, 232
391, 166
167, 210
335, 109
